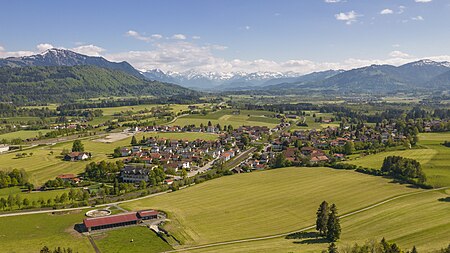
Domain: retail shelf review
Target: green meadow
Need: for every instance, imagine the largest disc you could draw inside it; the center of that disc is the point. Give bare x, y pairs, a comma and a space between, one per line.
135, 239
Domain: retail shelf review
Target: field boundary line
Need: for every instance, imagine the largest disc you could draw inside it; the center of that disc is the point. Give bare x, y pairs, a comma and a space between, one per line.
262, 238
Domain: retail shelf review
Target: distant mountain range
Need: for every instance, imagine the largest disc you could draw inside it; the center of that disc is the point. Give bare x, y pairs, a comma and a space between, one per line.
419, 75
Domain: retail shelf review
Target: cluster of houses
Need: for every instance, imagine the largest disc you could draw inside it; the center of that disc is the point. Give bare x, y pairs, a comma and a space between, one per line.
251, 130
175, 155
330, 137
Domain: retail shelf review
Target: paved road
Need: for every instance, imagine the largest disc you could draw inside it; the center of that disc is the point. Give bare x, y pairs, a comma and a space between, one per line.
201, 169
305, 228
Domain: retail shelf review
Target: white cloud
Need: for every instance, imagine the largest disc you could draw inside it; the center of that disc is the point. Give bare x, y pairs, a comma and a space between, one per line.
333, 1
138, 36
90, 50
44, 46
195, 37
396, 45
423, 1
179, 37
2, 48
181, 56
386, 11
398, 54
418, 18
349, 17
401, 9
156, 36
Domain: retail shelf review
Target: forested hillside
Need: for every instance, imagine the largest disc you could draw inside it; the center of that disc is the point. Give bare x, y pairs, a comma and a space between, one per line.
64, 83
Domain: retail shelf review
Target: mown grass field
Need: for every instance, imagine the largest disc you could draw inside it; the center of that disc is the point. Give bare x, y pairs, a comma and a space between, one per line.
23, 134
434, 158
29, 233
414, 220
226, 117
119, 241
266, 203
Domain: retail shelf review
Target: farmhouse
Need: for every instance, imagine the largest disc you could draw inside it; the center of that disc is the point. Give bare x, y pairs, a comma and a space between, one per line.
119, 220
68, 178
77, 156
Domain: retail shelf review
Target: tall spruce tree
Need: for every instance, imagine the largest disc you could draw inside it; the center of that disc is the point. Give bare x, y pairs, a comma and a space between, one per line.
133, 141
333, 225
322, 218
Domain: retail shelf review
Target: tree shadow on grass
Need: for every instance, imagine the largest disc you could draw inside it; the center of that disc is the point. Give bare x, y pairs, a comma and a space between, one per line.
444, 199
306, 238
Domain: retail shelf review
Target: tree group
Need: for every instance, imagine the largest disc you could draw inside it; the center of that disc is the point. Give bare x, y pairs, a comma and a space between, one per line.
327, 222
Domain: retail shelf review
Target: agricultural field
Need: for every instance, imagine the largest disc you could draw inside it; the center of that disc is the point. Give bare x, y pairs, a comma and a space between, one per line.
226, 117
391, 220
31, 232
434, 158
119, 241
284, 200
23, 134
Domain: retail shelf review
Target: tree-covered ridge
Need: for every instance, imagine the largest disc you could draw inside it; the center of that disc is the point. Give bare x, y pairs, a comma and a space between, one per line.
63, 83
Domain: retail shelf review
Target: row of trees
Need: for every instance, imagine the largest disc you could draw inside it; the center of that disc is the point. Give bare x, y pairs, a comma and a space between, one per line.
327, 222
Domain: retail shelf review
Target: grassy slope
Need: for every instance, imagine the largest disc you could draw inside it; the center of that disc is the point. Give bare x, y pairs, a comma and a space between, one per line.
119, 240
29, 233
265, 203
402, 221
435, 158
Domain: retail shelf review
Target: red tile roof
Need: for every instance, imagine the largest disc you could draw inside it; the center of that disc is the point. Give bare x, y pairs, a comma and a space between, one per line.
66, 176
146, 213
108, 220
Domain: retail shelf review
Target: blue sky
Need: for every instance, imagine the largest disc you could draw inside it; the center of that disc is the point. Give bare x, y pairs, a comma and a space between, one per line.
232, 35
